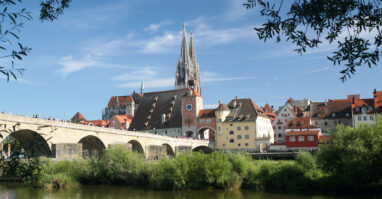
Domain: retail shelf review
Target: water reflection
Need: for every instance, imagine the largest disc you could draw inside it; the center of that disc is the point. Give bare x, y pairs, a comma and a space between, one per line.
12, 191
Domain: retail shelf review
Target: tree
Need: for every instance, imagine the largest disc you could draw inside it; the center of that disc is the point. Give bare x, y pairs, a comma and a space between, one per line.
11, 21
354, 24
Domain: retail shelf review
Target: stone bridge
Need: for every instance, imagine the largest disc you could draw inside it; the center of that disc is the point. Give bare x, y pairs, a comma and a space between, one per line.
60, 140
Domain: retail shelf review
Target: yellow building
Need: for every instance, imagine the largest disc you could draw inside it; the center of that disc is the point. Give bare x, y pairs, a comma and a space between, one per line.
242, 126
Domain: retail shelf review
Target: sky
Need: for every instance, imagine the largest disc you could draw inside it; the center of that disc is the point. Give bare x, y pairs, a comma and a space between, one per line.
99, 49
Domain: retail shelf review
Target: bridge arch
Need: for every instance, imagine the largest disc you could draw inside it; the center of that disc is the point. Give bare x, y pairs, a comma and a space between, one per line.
32, 142
92, 146
169, 150
204, 149
206, 133
136, 146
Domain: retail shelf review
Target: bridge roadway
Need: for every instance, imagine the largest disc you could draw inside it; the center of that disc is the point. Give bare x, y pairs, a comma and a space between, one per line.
63, 140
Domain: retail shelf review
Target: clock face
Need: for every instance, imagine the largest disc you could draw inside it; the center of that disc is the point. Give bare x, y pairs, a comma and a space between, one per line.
188, 107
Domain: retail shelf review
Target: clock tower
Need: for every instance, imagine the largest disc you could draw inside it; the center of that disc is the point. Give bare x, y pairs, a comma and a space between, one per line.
192, 103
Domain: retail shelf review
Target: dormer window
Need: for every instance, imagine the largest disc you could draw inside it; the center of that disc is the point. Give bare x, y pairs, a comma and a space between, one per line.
370, 108
357, 108
363, 109
333, 114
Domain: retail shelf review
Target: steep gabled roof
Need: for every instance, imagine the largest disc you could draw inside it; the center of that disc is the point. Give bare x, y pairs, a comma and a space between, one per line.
290, 100
245, 110
153, 105
325, 110
78, 117
300, 122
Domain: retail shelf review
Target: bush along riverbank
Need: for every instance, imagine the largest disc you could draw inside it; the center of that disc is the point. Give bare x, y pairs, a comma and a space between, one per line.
352, 159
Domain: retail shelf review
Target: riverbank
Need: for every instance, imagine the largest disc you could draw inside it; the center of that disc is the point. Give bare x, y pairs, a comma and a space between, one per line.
352, 160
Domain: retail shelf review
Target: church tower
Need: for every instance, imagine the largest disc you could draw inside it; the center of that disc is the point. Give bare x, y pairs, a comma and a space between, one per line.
188, 67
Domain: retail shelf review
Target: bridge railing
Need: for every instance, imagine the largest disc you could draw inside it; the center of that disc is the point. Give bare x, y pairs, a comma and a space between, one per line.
69, 125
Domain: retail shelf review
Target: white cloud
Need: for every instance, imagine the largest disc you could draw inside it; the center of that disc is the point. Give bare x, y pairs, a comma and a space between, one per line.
153, 27
236, 10
318, 70
71, 65
213, 77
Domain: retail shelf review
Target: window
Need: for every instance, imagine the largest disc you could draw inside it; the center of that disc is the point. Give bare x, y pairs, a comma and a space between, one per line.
346, 114
363, 109
280, 135
201, 121
359, 118
371, 117
219, 128
238, 128
318, 115
231, 132
326, 123
239, 145
223, 144
285, 120
230, 124
219, 120
246, 127
246, 144
231, 140
239, 137
370, 108
301, 138
292, 138
208, 121
279, 127
310, 138
365, 118
333, 114
357, 108
316, 123
246, 137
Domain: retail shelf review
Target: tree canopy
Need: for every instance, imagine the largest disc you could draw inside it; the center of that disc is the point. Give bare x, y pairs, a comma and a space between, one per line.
12, 19
355, 25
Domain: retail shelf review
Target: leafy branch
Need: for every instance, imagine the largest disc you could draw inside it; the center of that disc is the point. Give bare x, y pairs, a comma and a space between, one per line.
354, 24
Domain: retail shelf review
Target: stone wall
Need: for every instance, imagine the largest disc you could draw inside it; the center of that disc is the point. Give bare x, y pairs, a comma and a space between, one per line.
66, 151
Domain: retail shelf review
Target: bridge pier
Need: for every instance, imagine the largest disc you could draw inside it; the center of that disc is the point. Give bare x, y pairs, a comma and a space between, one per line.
155, 152
67, 151
182, 150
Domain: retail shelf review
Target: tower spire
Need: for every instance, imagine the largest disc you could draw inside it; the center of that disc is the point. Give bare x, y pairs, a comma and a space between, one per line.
142, 87
195, 66
183, 71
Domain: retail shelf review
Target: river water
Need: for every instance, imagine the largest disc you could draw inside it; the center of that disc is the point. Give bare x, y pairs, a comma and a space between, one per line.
12, 191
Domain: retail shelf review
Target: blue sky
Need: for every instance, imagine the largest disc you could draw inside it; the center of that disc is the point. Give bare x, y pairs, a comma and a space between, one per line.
98, 49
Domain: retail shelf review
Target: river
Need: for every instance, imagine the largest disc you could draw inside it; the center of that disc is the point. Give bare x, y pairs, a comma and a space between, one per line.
19, 191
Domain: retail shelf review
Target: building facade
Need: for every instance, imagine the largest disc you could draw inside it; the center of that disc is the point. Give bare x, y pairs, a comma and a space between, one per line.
302, 140
122, 105
242, 126
367, 111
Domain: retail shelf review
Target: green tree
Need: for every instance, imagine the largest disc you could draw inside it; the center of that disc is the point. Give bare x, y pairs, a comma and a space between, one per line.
353, 158
12, 19
354, 24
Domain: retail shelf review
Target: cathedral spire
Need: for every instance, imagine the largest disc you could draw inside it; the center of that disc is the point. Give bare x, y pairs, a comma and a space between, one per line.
184, 64
194, 65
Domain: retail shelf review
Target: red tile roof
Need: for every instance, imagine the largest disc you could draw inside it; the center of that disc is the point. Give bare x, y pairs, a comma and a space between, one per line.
78, 117
267, 109
122, 118
302, 132
206, 113
300, 122
103, 123
290, 100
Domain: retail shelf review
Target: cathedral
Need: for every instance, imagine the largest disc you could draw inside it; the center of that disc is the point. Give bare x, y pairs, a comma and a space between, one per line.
188, 68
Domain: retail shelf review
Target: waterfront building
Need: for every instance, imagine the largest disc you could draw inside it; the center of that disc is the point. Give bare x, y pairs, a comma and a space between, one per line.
122, 105
327, 115
242, 126
120, 121
367, 111
291, 110
302, 140
78, 118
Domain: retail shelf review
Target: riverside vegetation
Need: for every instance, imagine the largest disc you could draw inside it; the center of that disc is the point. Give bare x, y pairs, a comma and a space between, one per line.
352, 159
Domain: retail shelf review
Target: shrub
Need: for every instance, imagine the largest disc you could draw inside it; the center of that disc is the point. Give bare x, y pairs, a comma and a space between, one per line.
306, 161
354, 156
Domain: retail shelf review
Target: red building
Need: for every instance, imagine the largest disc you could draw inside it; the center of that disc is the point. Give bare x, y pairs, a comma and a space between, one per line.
302, 140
